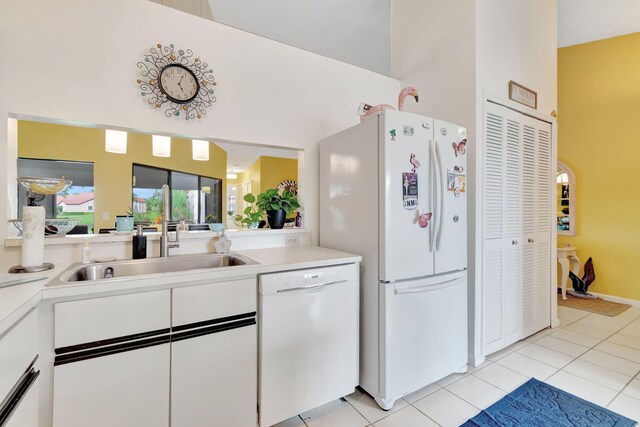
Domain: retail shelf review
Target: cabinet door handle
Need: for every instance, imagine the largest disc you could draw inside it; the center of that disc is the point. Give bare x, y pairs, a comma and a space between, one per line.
514, 242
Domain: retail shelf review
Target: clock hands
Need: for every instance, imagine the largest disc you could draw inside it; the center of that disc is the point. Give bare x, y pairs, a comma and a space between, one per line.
180, 81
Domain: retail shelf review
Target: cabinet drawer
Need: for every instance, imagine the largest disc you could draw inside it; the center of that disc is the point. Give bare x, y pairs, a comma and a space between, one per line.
97, 319
18, 348
206, 302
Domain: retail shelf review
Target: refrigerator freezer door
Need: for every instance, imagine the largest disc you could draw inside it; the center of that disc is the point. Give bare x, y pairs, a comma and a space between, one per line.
425, 326
405, 196
450, 217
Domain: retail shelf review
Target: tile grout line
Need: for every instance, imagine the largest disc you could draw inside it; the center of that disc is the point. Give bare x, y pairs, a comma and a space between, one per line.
374, 401
620, 392
418, 409
461, 398
594, 348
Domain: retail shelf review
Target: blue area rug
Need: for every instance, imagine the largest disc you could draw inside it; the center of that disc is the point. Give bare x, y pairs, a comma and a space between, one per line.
538, 404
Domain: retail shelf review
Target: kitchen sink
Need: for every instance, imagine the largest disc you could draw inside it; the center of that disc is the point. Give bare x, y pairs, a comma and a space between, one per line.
130, 268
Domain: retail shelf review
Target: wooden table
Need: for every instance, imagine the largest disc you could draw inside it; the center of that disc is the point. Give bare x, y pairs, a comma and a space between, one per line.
569, 261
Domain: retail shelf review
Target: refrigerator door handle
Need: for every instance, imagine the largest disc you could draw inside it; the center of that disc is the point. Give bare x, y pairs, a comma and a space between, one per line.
433, 203
440, 196
427, 288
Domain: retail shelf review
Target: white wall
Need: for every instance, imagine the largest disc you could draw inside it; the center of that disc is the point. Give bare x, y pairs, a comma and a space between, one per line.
355, 31
455, 54
517, 40
433, 50
76, 60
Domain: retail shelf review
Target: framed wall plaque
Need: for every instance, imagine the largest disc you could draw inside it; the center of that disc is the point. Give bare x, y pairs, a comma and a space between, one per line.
523, 95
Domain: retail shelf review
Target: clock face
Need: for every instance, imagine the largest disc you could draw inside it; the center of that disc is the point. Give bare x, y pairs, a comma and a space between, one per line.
178, 83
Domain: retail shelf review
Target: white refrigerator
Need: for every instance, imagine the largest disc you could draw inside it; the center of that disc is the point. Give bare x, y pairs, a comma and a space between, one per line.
394, 190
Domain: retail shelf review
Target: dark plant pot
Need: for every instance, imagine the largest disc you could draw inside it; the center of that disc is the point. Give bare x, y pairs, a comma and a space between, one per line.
276, 218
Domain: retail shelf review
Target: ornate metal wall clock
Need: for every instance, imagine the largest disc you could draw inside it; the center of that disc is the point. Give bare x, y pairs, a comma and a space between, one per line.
176, 81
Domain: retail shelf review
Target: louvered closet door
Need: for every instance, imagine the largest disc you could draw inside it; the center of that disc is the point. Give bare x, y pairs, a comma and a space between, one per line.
536, 237
502, 207
512, 228
542, 241
529, 226
517, 227
493, 214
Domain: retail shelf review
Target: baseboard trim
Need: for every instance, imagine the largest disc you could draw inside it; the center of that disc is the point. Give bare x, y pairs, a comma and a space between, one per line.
612, 298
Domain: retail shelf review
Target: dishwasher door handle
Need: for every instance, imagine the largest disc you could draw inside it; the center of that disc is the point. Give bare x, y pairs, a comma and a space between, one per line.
320, 285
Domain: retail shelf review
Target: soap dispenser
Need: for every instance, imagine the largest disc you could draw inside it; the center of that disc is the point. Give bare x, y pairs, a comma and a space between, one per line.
223, 244
139, 245
86, 252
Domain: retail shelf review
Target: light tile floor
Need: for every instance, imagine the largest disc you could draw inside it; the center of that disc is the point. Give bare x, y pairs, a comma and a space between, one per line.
592, 356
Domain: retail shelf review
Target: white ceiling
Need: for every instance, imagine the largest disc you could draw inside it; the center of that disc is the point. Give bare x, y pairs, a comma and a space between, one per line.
240, 157
582, 21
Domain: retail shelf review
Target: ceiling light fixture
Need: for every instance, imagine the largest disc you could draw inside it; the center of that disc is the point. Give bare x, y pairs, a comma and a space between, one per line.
200, 150
115, 141
161, 146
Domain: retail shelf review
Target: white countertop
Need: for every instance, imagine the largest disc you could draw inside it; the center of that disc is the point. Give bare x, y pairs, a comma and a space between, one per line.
77, 239
15, 301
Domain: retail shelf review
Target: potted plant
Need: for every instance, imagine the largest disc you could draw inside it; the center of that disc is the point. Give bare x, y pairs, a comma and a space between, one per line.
277, 205
251, 215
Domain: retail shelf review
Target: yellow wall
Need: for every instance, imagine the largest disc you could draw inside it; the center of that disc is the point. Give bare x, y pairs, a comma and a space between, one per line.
599, 111
267, 172
112, 172
274, 170
253, 174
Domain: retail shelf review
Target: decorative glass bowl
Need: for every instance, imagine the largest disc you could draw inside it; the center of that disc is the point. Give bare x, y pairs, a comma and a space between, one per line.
44, 186
52, 227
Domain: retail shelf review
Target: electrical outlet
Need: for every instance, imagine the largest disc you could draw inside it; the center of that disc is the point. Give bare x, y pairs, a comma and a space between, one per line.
291, 241
105, 216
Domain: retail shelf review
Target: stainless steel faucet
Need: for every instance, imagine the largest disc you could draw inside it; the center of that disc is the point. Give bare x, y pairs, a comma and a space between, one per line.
165, 242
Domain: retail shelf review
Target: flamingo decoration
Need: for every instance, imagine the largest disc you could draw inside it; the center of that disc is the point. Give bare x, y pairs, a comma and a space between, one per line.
414, 162
367, 110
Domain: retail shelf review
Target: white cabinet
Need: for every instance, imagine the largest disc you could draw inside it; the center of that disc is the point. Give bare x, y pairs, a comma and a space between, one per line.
214, 379
185, 357
214, 364
26, 414
19, 374
18, 348
120, 317
112, 362
127, 389
516, 255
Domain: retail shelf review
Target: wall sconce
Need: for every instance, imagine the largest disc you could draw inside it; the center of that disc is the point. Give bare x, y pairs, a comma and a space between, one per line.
200, 150
115, 141
161, 145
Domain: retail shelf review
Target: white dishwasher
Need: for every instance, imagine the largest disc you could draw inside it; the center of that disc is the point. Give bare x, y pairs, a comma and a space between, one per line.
308, 339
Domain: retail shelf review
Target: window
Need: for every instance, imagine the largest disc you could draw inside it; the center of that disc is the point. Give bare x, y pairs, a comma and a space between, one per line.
194, 198
210, 199
76, 202
146, 202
